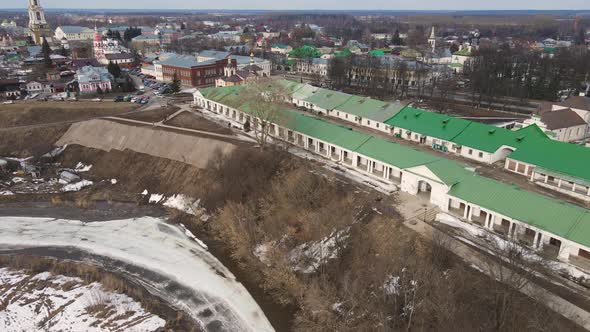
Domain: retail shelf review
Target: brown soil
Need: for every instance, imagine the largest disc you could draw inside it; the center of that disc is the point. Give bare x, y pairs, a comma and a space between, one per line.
135, 171
152, 115
27, 142
191, 121
31, 113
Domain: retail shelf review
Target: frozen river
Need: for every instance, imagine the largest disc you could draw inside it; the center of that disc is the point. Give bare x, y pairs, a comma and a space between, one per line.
164, 258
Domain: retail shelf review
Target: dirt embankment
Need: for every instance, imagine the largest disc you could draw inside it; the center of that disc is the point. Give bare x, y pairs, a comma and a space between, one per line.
31, 113
25, 142
109, 135
191, 121
136, 171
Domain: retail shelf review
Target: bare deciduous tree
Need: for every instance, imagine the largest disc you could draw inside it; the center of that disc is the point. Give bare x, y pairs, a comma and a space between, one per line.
264, 99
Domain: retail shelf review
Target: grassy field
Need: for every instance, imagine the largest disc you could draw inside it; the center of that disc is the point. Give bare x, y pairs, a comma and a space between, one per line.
32, 113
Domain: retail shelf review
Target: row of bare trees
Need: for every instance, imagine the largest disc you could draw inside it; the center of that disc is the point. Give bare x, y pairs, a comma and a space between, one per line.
380, 77
519, 73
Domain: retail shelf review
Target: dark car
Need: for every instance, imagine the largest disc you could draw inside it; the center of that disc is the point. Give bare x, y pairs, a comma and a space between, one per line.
118, 99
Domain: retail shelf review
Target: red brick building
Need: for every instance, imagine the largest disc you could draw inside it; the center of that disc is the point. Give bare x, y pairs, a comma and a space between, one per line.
190, 72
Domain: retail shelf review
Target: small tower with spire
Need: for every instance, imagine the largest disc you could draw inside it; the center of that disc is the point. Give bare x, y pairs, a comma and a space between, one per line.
97, 48
432, 39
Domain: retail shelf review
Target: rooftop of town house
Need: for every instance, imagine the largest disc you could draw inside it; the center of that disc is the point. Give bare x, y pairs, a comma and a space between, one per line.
327, 99
577, 102
557, 158
304, 91
433, 124
554, 216
563, 118
490, 138
369, 108
74, 29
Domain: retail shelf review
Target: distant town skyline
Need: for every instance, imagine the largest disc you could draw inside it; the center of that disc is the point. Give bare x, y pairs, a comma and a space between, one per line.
319, 4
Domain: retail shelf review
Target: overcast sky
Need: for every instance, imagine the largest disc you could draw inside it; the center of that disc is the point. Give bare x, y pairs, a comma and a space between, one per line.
313, 4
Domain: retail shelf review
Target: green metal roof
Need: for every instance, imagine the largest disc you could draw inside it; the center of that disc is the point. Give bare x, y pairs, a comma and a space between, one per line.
490, 138
566, 158
580, 233
290, 86
394, 154
554, 216
305, 91
429, 123
464, 52
448, 171
327, 99
372, 109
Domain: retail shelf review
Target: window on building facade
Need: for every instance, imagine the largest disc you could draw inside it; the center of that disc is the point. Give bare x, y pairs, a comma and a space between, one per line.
481, 154
470, 151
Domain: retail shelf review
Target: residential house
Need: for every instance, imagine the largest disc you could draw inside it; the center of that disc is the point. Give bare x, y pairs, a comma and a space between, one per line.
316, 66
92, 79
281, 48
563, 125
189, 70
73, 33
10, 88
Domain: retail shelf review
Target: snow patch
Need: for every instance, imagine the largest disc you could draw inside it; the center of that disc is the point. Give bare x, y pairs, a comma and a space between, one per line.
6, 193
156, 198
22, 310
183, 203
55, 152
81, 167
192, 236
17, 179
479, 232
77, 186
309, 256
113, 181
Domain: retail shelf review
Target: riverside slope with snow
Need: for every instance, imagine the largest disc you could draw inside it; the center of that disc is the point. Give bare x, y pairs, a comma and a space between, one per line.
223, 303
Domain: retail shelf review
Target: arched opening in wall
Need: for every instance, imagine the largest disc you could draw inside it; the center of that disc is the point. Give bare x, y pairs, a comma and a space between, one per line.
424, 189
502, 153
551, 249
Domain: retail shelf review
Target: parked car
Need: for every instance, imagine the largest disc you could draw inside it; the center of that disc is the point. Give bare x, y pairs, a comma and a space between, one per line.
118, 99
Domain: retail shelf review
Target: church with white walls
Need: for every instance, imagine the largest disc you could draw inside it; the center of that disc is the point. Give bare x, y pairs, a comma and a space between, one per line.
107, 50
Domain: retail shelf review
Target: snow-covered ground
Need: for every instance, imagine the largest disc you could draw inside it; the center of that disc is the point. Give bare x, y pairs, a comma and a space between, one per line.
152, 244
76, 186
48, 302
481, 233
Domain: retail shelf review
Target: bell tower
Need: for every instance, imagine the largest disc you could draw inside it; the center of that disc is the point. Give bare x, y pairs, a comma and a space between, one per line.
37, 24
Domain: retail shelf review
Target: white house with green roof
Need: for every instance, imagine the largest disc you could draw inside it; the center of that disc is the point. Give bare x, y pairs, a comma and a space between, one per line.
461, 58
